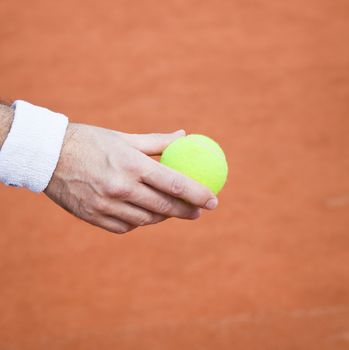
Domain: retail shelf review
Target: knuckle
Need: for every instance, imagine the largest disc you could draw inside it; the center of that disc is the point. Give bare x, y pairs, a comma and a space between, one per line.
100, 205
114, 227
145, 219
177, 186
148, 175
119, 190
165, 206
120, 229
158, 218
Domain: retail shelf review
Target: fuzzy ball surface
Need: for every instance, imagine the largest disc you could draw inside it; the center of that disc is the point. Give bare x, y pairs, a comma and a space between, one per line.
198, 157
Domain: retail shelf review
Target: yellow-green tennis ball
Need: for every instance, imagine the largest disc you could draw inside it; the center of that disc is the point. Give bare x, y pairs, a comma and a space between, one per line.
198, 157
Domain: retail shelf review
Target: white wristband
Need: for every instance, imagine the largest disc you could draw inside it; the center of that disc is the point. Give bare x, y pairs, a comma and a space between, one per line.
32, 148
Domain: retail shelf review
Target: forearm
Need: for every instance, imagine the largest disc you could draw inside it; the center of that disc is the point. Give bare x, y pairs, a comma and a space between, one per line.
6, 118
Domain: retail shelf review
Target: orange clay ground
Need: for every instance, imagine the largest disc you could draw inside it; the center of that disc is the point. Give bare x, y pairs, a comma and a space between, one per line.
269, 269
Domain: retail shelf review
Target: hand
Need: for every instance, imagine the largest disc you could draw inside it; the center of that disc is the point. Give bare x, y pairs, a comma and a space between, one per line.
108, 179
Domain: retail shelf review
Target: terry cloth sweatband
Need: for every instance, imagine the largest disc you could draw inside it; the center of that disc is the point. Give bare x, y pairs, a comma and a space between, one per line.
30, 153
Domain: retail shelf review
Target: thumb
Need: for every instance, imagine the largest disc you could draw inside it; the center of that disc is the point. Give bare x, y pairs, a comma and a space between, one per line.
152, 144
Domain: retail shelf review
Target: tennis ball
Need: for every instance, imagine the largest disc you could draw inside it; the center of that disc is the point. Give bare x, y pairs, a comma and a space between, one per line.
198, 157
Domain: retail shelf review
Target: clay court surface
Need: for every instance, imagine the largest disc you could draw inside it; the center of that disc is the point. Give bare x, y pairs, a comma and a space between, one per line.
269, 269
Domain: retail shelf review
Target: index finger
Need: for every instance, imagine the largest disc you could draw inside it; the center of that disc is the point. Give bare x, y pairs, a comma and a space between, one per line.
178, 185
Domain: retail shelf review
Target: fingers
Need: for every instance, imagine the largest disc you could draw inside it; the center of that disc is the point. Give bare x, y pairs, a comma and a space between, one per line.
131, 214
177, 185
112, 224
151, 144
161, 203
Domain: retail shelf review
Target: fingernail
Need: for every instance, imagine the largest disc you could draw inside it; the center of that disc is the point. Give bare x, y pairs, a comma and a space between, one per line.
211, 203
180, 131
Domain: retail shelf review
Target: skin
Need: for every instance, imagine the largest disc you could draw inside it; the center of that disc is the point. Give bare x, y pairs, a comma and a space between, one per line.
6, 118
109, 179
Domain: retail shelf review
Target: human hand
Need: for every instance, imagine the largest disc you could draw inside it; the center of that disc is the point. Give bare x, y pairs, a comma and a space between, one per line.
108, 179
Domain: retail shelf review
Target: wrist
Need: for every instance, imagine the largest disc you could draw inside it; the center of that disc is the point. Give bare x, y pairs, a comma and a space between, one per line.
6, 119
67, 155
31, 149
